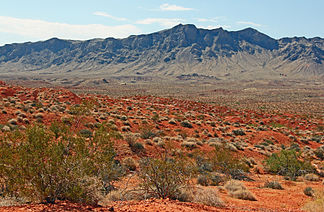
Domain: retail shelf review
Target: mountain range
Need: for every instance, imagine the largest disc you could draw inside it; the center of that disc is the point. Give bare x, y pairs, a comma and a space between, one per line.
179, 53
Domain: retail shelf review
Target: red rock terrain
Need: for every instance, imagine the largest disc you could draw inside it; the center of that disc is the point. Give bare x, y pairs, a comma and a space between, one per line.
188, 125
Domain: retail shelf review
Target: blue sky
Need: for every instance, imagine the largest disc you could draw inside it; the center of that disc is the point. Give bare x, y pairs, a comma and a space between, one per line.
33, 20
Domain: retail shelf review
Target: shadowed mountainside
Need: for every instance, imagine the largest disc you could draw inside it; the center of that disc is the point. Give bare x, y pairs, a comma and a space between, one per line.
175, 53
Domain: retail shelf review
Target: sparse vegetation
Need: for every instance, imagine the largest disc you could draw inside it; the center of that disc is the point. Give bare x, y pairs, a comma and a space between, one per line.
39, 167
224, 161
165, 177
288, 163
72, 166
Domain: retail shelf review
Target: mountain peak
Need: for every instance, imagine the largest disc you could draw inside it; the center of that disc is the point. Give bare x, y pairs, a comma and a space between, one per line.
184, 26
184, 45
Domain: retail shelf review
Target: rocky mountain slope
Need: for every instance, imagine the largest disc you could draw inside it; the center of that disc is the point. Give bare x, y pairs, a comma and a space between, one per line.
183, 50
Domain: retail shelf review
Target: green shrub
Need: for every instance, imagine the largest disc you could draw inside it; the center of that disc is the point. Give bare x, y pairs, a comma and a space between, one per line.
39, 166
147, 132
287, 163
225, 162
164, 178
308, 191
59, 129
186, 124
137, 147
85, 133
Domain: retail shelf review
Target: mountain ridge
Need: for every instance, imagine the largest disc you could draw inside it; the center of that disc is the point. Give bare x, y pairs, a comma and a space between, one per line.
181, 50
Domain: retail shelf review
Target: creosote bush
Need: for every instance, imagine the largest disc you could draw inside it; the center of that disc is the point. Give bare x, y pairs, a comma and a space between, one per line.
165, 177
224, 161
35, 164
288, 163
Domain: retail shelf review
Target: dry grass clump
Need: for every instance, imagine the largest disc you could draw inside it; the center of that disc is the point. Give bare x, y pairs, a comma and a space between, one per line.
123, 195
237, 190
312, 177
273, 185
11, 201
316, 205
189, 144
208, 196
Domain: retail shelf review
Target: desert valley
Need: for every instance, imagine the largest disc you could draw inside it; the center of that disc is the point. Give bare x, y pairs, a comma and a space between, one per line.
183, 119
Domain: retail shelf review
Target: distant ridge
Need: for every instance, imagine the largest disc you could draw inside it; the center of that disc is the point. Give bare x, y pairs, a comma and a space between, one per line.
181, 50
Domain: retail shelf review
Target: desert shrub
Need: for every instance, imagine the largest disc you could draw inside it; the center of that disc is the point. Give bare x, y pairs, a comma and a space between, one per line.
223, 161
319, 152
155, 117
217, 179
82, 109
203, 165
295, 147
208, 196
186, 124
237, 190
273, 185
147, 132
41, 167
238, 132
203, 180
130, 164
85, 133
59, 129
308, 191
137, 147
165, 177
287, 163
189, 145
79, 111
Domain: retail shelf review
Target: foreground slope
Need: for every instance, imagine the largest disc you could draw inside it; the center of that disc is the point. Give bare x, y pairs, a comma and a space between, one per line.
250, 134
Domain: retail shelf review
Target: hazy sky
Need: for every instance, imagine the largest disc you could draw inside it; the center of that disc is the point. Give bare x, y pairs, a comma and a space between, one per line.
33, 20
